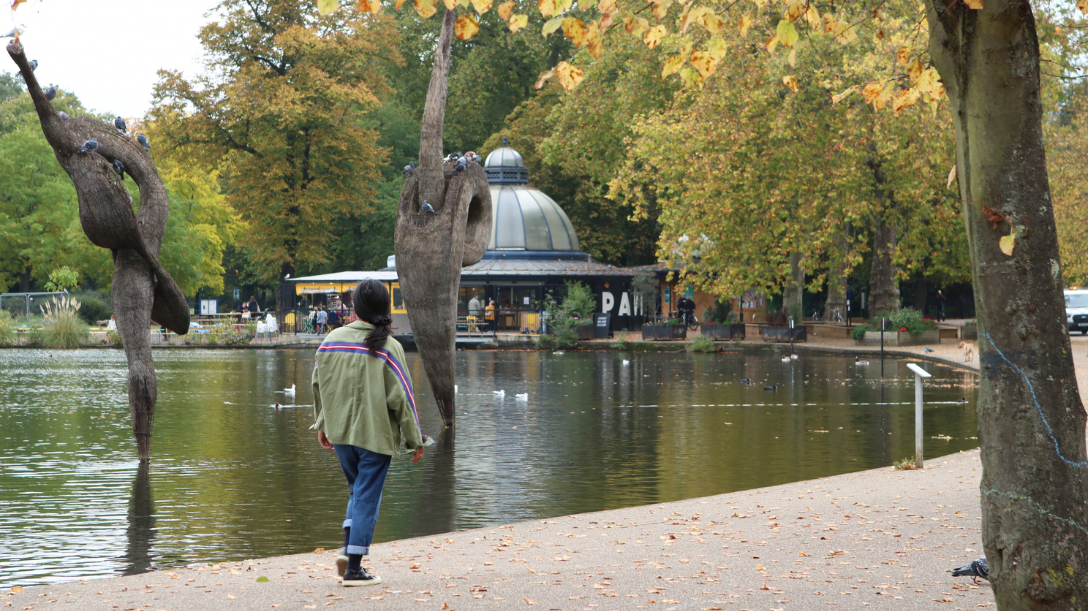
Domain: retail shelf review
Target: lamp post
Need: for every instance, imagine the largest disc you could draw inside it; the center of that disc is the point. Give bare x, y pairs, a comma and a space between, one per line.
919, 374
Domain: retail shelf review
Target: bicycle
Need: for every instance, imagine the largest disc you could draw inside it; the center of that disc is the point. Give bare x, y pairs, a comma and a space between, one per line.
690, 320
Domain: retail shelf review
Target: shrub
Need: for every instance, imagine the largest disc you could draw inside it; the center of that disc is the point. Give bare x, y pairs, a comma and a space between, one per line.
907, 464
228, 334
718, 313
565, 338
7, 329
622, 343
545, 342
907, 319
114, 338
859, 332
579, 302
702, 343
65, 329
95, 307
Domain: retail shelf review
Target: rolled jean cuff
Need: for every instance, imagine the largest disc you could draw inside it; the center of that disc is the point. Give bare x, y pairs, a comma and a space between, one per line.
346, 524
358, 549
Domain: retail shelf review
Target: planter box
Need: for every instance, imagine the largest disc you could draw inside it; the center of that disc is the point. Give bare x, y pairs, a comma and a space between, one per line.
583, 332
872, 338
785, 334
723, 331
933, 336
666, 332
969, 332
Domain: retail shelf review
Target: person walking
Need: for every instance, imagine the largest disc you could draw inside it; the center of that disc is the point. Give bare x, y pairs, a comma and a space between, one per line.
322, 320
940, 305
363, 404
489, 315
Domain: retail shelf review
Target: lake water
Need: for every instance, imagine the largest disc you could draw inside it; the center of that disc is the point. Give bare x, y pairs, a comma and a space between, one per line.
234, 478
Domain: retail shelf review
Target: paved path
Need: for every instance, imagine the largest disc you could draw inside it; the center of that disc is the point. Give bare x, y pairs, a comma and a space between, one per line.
872, 539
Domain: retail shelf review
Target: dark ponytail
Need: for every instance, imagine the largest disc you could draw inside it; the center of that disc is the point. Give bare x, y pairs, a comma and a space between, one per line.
371, 304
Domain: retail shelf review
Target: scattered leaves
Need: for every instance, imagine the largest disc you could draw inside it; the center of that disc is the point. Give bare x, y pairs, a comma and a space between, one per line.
569, 75
481, 6
790, 81
518, 22
654, 35
466, 26
425, 8
506, 9
1007, 243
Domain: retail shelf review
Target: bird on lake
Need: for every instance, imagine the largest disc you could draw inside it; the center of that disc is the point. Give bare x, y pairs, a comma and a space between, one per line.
426, 207
771, 387
119, 123
89, 146
142, 139
499, 393
928, 350
15, 32
33, 65
522, 396
408, 169
786, 359
795, 356
50, 93
746, 381
290, 392
276, 405
119, 168
626, 362
859, 362
974, 569
559, 352
63, 115
961, 400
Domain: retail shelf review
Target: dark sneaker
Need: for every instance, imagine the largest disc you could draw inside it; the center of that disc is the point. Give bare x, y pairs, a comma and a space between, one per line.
341, 564
359, 578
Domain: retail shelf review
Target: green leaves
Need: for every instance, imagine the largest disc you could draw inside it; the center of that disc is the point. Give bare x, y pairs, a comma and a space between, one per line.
328, 7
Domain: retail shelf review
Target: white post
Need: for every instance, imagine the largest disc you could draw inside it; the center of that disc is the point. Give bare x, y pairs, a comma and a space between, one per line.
919, 373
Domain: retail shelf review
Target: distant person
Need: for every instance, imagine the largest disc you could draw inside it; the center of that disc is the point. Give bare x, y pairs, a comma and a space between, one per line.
941, 300
322, 320
112, 324
475, 306
334, 319
489, 315
363, 404
685, 306
252, 306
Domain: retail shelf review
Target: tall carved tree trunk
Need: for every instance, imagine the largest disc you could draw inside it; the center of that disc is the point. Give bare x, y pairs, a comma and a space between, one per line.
432, 248
1031, 421
142, 290
883, 289
836, 285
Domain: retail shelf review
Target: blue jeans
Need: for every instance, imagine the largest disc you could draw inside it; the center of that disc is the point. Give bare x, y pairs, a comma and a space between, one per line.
365, 471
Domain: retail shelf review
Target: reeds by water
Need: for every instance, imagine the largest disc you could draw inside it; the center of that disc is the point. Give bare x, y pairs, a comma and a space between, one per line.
63, 327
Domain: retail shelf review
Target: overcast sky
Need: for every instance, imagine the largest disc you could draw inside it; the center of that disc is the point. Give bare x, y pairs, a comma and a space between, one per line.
108, 51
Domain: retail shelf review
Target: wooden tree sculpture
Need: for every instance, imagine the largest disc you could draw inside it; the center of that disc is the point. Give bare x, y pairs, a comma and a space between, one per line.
142, 290
432, 248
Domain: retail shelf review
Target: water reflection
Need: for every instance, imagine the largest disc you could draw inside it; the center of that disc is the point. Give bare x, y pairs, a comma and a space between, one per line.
234, 478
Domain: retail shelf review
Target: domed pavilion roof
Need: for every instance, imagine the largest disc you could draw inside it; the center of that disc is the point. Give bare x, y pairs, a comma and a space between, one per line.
523, 218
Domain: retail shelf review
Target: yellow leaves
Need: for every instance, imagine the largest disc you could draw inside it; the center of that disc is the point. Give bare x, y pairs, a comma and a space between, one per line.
790, 81
574, 30
661, 8
691, 79
518, 22
905, 98
902, 56
506, 9
772, 44
569, 75
876, 94
795, 9
450, 4
543, 77
717, 48
692, 15
654, 36
760, 3
973, 4
607, 6
704, 62
551, 25
745, 25
951, 177
466, 26
594, 41
634, 26
711, 22
399, 4
1081, 4
673, 64
914, 70
14, 5
838, 97
1007, 243
813, 17
547, 8
324, 7
425, 8
481, 6
786, 33
840, 29
370, 6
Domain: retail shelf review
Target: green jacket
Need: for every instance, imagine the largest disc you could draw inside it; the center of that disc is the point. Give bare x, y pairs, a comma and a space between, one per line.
364, 399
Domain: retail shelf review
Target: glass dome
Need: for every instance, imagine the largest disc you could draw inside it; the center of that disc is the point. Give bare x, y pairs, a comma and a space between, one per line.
504, 166
523, 218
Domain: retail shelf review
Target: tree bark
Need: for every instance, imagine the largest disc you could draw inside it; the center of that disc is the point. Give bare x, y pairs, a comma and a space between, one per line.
1031, 421
793, 293
883, 289
24, 280
836, 287
432, 248
142, 289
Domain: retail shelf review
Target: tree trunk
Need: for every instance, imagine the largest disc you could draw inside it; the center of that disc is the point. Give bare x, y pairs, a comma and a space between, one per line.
1031, 421
24, 280
836, 289
883, 289
432, 247
794, 291
142, 289
921, 288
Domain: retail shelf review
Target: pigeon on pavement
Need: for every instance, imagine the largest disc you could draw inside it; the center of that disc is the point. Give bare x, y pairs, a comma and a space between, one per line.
89, 146
974, 570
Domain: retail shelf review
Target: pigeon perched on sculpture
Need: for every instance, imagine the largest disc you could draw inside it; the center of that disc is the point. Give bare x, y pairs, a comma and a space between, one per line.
119, 123
63, 115
408, 169
89, 146
142, 139
50, 93
426, 207
974, 569
119, 168
33, 65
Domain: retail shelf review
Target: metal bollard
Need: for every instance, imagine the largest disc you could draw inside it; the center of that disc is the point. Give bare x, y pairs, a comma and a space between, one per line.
919, 373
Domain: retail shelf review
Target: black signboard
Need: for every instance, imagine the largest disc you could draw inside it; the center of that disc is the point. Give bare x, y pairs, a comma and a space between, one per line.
602, 328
